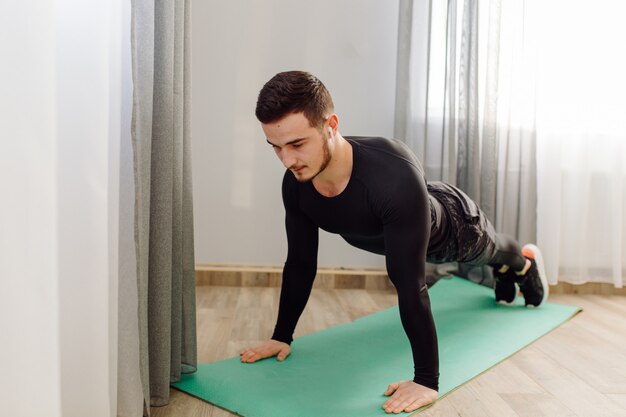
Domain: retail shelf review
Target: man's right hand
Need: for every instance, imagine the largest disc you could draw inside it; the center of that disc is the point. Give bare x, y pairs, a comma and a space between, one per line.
265, 350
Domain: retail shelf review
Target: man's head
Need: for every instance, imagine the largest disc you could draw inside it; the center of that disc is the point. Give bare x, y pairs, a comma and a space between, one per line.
294, 92
296, 113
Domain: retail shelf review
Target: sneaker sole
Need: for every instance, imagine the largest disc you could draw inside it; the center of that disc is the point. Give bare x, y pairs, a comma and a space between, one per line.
510, 303
542, 272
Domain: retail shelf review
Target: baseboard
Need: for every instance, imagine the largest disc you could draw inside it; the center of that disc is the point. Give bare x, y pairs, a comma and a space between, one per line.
595, 288
346, 278
271, 276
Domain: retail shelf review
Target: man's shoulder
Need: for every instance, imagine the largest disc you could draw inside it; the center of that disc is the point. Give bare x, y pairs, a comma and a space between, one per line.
391, 173
384, 148
389, 153
379, 143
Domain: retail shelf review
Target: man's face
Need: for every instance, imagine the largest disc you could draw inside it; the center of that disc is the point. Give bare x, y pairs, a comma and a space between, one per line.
301, 148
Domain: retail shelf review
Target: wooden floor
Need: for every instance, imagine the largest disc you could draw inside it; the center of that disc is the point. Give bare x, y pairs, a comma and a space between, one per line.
577, 370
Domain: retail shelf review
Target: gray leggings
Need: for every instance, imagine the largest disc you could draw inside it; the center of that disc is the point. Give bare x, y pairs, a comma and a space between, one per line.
508, 253
460, 232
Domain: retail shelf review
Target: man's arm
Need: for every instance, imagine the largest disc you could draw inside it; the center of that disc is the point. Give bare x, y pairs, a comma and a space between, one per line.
406, 219
301, 265
298, 276
407, 231
298, 273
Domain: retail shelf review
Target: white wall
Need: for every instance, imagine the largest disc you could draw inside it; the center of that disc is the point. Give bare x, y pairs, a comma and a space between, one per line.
236, 47
61, 117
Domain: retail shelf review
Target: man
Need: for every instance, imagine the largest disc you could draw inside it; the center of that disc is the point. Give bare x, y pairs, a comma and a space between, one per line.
373, 193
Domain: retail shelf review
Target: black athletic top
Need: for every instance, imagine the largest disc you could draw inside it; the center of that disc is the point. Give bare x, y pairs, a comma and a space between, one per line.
384, 209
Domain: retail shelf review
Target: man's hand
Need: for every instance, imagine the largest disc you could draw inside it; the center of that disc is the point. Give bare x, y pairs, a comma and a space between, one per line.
265, 350
408, 396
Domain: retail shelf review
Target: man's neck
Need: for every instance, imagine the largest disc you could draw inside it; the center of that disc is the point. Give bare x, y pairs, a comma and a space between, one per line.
334, 179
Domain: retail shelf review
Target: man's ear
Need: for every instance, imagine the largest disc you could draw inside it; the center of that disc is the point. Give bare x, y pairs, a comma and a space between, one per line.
333, 123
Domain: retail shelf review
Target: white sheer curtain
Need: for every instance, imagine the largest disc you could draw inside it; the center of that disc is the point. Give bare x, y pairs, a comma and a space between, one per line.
60, 88
581, 132
500, 91
466, 104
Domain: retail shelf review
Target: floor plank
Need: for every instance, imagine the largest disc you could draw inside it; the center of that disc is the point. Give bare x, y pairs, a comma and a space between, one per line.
578, 370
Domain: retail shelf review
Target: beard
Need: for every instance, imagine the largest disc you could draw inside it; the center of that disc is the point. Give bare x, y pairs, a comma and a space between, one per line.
323, 165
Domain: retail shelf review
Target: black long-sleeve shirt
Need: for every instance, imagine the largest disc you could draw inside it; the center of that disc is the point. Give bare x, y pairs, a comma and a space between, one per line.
384, 209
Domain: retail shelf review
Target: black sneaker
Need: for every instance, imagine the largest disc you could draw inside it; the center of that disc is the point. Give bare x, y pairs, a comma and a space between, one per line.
506, 289
534, 284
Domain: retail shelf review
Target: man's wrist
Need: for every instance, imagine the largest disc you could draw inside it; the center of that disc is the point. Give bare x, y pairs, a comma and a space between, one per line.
432, 383
280, 338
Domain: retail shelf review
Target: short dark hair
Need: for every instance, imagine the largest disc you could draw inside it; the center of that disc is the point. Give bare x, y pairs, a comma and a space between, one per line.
294, 92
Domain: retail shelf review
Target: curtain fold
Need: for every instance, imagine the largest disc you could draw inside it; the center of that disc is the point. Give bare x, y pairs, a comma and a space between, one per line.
130, 393
467, 110
163, 203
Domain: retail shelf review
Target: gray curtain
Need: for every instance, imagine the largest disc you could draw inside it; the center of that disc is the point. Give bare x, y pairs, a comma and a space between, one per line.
464, 124
163, 294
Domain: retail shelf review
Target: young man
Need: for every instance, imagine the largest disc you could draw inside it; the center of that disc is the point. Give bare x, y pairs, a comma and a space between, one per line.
373, 193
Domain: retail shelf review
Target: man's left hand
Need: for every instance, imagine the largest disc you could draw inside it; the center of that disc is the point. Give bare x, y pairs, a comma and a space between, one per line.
408, 396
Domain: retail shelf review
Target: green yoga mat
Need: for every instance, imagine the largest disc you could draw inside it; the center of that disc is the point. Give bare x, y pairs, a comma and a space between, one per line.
344, 370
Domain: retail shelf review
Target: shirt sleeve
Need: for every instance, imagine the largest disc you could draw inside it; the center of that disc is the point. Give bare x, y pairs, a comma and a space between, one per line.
301, 265
406, 219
